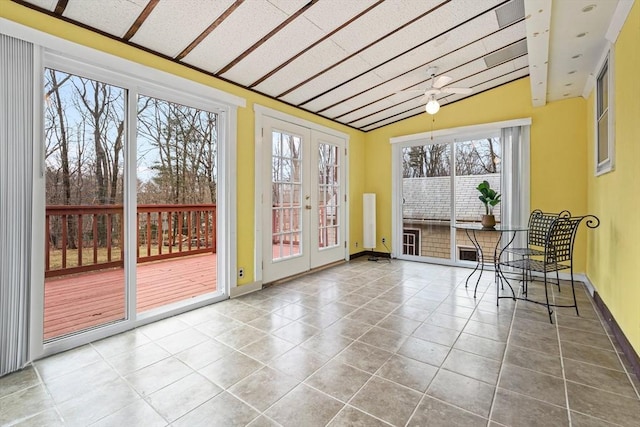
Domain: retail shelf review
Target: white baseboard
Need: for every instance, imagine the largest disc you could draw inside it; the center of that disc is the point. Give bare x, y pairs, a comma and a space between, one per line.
245, 289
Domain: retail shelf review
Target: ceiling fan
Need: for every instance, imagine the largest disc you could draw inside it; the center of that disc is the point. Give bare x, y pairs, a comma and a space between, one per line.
437, 86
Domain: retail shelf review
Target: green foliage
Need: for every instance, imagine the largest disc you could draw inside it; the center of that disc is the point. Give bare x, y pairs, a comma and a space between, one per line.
488, 196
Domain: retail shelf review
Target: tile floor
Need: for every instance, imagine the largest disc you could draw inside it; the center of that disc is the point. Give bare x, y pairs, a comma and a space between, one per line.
360, 344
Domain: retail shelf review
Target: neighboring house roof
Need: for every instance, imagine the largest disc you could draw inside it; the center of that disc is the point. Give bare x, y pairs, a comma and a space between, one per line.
429, 199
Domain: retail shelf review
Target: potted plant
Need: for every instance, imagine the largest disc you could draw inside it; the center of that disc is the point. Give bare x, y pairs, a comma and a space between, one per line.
490, 198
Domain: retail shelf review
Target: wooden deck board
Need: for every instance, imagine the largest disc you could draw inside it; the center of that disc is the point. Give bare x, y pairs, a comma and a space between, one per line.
76, 302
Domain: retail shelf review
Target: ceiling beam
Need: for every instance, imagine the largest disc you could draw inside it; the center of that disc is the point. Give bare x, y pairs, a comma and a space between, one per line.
209, 29
60, 7
538, 22
272, 33
140, 19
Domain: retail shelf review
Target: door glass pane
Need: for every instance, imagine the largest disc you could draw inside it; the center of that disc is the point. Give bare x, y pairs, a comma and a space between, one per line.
176, 172
329, 197
426, 196
476, 160
85, 139
286, 197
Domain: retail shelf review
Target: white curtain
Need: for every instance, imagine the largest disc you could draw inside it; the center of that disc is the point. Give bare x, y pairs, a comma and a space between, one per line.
515, 179
16, 166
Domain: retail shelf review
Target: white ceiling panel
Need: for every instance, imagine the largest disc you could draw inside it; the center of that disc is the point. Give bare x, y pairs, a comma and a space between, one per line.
45, 4
112, 16
230, 39
382, 20
298, 35
184, 21
436, 23
322, 56
323, 14
367, 51
335, 76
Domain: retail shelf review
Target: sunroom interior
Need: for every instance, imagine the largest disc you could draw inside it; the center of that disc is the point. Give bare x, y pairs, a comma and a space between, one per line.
353, 87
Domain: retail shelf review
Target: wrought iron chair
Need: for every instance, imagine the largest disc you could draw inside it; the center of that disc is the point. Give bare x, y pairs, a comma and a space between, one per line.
539, 223
557, 255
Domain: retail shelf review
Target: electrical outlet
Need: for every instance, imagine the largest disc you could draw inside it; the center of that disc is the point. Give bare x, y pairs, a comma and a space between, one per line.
241, 272
384, 240
356, 244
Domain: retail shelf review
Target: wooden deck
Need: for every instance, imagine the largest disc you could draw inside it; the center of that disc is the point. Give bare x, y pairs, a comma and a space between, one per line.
80, 301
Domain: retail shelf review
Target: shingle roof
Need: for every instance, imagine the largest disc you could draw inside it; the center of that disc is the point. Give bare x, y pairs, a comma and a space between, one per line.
428, 199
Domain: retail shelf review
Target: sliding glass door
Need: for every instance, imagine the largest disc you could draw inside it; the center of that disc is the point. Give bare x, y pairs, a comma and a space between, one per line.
433, 194
84, 170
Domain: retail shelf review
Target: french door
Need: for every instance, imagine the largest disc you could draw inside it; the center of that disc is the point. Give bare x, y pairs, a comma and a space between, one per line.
303, 199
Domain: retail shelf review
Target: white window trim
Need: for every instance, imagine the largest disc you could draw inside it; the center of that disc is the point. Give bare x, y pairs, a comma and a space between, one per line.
609, 164
54, 52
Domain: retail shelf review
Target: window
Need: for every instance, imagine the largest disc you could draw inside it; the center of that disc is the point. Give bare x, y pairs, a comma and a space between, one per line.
411, 242
604, 118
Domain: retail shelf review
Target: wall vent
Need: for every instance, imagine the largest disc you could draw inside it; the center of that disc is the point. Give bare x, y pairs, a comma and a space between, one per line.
506, 54
510, 13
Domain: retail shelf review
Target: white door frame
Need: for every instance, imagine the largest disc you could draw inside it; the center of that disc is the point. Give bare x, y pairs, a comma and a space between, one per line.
260, 112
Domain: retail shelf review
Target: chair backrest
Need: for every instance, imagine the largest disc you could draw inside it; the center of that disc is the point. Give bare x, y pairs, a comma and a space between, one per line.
539, 223
561, 237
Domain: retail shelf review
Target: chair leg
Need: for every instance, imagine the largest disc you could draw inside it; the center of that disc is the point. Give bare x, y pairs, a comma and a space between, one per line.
546, 294
558, 280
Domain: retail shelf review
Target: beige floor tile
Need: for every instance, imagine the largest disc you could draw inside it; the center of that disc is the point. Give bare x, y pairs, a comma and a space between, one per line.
435, 413
267, 348
299, 362
408, 372
472, 365
136, 414
154, 377
388, 401
17, 381
364, 356
230, 369
263, 388
461, 391
182, 396
48, 418
222, 410
383, 339
481, 346
424, 351
304, 406
203, 354
513, 409
604, 405
533, 384
605, 379
594, 356
352, 417
431, 332
24, 403
534, 360
397, 358
338, 380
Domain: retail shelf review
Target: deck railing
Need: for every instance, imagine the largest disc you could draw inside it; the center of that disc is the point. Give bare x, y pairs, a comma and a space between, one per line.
86, 238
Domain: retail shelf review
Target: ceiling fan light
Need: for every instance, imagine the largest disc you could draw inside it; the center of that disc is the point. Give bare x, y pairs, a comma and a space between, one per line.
432, 106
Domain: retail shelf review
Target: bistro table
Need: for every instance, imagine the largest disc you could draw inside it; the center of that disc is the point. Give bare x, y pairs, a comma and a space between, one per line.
473, 230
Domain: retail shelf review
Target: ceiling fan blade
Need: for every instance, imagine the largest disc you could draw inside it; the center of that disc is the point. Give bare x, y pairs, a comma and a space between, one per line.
460, 90
440, 81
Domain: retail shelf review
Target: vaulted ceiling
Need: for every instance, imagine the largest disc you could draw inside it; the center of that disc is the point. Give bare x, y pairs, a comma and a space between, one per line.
362, 63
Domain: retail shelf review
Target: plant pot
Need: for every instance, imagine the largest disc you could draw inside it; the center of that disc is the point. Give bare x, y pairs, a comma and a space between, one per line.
488, 221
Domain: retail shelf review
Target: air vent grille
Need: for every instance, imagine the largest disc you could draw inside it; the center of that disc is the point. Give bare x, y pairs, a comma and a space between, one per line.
510, 52
510, 13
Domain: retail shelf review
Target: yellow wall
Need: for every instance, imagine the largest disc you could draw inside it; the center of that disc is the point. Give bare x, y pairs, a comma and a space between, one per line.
614, 249
558, 157
246, 145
